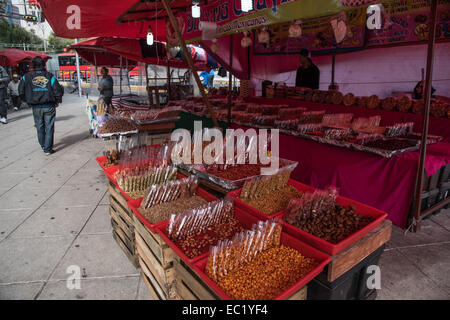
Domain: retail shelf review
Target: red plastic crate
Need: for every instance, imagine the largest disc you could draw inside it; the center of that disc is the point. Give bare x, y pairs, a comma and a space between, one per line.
260, 215
288, 241
246, 219
333, 249
100, 161
109, 172
134, 204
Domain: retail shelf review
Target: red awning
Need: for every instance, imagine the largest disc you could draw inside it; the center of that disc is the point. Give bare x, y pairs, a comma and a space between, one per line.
12, 57
107, 52
97, 18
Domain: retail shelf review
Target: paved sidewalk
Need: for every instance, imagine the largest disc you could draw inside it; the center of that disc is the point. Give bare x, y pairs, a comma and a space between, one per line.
54, 214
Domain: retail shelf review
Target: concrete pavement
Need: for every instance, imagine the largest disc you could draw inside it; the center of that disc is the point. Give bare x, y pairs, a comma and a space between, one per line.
54, 215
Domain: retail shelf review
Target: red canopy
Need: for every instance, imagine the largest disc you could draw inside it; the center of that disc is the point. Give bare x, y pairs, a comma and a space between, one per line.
12, 57
107, 52
96, 18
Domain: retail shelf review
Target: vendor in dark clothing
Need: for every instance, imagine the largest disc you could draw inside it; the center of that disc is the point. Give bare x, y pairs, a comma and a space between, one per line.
308, 75
419, 90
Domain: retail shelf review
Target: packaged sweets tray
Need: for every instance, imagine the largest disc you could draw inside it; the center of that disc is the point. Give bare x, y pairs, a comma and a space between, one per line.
236, 184
330, 248
261, 215
246, 219
288, 241
134, 204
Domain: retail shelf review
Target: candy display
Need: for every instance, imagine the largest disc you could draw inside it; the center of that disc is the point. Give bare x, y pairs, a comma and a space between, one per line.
163, 211
269, 274
349, 99
135, 181
158, 193
373, 102
290, 113
194, 231
388, 103
255, 266
200, 242
399, 129
311, 117
274, 201
391, 144
367, 125
152, 115
117, 125
243, 248
261, 186
337, 120
404, 104
318, 214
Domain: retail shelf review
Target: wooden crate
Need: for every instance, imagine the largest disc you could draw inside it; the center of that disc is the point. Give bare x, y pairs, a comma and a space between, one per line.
348, 258
156, 260
122, 223
190, 286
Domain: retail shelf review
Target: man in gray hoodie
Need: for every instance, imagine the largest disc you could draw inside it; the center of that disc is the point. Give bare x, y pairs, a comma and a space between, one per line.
4, 79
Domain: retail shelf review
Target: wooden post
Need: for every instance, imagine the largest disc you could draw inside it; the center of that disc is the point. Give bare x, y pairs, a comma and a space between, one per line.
189, 60
168, 81
333, 63
120, 75
230, 80
417, 219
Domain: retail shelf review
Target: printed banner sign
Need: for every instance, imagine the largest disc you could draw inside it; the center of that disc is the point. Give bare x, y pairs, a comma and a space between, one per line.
409, 22
317, 36
229, 17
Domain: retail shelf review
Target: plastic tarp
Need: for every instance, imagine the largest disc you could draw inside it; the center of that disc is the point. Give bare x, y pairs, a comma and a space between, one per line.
12, 57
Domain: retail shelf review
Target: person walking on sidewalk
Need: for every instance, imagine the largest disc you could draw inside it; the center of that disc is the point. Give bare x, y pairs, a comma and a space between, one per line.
43, 93
13, 91
4, 79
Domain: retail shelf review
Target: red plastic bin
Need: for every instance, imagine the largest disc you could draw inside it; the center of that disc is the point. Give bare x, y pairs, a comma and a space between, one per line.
260, 215
134, 204
246, 219
101, 160
333, 249
109, 172
286, 240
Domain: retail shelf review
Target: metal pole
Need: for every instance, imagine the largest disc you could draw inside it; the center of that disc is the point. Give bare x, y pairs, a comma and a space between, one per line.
78, 70
417, 219
189, 61
230, 79
150, 100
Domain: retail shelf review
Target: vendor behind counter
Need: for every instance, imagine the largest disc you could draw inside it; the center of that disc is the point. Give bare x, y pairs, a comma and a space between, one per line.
308, 74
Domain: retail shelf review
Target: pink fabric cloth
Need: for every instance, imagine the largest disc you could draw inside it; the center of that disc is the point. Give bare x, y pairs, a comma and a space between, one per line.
386, 184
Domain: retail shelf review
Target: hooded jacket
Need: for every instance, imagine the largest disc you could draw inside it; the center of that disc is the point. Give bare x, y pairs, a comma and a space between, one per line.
4, 77
40, 88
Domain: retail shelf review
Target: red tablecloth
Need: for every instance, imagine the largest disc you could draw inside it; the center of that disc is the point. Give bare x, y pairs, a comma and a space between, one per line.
438, 126
386, 184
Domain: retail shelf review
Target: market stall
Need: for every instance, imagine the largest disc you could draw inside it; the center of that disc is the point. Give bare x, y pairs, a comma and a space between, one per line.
288, 235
